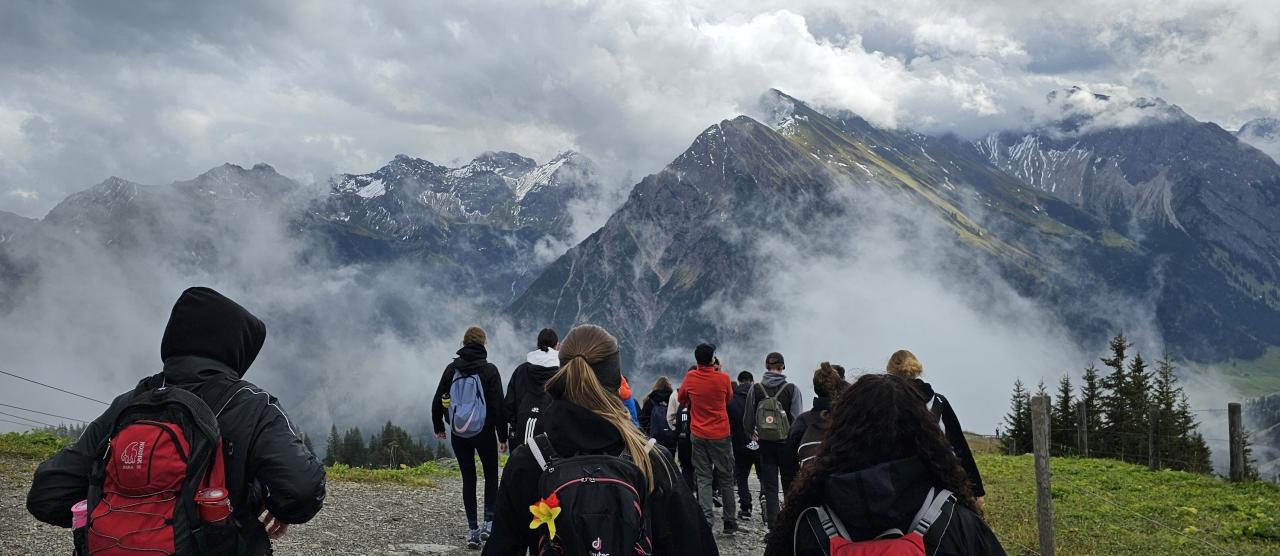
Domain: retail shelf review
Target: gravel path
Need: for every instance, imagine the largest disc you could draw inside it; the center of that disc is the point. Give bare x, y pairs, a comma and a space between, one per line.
357, 519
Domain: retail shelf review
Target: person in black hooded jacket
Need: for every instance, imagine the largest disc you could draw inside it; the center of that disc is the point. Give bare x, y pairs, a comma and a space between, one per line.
881, 457
473, 360
904, 364
588, 417
208, 345
828, 383
526, 397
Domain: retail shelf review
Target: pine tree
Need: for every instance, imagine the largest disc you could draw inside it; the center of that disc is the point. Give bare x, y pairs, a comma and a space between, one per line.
333, 447
1091, 395
306, 441
1193, 450
1018, 422
1114, 408
1137, 396
1063, 419
354, 452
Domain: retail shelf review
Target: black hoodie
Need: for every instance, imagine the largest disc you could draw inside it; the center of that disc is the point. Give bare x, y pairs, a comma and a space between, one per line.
888, 496
208, 345
955, 434
473, 359
528, 381
676, 522
737, 412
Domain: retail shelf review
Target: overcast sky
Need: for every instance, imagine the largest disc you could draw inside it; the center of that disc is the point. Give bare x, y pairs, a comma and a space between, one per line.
155, 91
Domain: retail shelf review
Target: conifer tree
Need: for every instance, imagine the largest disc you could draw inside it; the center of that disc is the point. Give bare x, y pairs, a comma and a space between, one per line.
1137, 386
1063, 419
1091, 394
1018, 422
333, 447
354, 452
1115, 410
306, 441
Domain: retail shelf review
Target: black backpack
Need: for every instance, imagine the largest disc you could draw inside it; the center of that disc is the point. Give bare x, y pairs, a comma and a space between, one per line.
683, 426
811, 440
602, 499
533, 404
659, 429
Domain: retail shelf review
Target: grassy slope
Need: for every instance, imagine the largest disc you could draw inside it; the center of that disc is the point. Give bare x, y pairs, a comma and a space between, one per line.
1236, 519
1257, 377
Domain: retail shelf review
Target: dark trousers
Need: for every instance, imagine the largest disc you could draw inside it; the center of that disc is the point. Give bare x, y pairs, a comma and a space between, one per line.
684, 455
771, 460
485, 445
714, 459
743, 460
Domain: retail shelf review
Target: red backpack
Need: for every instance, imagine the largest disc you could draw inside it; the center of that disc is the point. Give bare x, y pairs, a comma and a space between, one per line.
834, 540
164, 450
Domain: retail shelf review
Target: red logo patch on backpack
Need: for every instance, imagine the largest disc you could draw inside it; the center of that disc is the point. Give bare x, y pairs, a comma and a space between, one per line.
165, 448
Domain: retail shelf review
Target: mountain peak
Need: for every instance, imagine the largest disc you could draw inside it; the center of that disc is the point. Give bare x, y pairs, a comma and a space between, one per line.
1077, 110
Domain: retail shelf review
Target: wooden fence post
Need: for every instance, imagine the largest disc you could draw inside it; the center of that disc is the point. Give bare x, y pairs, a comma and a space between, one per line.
1082, 430
1153, 439
1044, 494
1236, 438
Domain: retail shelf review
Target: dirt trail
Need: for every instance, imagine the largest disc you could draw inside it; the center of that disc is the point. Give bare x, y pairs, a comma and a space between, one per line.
357, 519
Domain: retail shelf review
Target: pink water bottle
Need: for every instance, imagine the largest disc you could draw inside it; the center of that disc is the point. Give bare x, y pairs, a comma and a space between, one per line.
80, 514
214, 505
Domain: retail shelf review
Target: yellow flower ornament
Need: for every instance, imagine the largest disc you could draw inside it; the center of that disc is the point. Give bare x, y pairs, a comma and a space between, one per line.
545, 512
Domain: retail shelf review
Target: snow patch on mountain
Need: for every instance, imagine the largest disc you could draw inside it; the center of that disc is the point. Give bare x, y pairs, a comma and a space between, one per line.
375, 188
1263, 134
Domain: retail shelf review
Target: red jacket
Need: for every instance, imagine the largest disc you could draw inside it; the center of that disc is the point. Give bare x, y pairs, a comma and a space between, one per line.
706, 391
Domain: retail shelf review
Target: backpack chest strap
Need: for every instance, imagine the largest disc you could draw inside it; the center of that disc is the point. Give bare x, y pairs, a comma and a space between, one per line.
931, 510
542, 451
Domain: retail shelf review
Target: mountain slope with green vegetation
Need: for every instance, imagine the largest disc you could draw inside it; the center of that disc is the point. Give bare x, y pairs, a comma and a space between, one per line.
1108, 507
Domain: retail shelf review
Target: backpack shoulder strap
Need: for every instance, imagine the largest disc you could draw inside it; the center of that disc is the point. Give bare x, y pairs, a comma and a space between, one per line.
542, 451
931, 510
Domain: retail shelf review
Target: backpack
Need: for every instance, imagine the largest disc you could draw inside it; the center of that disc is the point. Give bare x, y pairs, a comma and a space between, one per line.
772, 422
467, 411
684, 428
532, 403
164, 448
936, 405
659, 429
811, 440
821, 524
602, 499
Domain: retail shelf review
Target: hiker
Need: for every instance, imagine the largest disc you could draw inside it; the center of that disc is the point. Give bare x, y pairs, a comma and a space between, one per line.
706, 391
807, 431
653, 415
744, 455
270, 478
904, 364
624, 392
526, 398
469, 390
545, 506
678, 420
882, 464
772, 405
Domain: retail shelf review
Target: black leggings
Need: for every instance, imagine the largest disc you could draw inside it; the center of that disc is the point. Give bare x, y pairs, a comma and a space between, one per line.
465, 449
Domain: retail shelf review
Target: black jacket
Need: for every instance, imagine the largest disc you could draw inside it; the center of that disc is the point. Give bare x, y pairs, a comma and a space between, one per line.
529, 379
472, 359
266, 462
737, 412
888, 496
676, 522
955, 435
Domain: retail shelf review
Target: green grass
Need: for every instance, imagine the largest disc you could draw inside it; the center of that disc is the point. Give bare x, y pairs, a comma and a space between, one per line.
421, 475
32, 444
1256, 377
1099, 507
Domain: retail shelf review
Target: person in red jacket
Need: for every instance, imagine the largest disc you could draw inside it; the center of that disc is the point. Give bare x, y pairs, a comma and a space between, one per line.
706, 391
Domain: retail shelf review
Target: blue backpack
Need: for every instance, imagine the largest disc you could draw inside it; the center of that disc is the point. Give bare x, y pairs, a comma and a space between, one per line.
467, 411
658, 428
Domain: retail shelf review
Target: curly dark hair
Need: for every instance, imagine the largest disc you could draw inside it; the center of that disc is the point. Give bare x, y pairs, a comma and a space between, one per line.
877, 420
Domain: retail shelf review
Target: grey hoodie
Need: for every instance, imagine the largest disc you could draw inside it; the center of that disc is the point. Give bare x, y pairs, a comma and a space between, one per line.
788, 394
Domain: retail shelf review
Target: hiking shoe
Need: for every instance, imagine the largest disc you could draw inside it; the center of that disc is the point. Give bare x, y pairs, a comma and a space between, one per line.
473, 539
486, 529
730, 527
744, 515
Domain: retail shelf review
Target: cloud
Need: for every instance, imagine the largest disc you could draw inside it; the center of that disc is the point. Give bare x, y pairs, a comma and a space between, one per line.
152, 94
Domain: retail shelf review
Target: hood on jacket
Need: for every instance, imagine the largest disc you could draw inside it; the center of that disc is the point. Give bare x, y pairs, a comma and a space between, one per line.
539, 358
878, 498
821, 404
773, 380
624, 391
924, 389
205, 324
742, 389
573, 429
660, 395
471, 359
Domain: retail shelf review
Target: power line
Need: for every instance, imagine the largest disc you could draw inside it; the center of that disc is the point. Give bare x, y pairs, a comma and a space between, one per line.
26, 419
54, 387
43, 413
16, 423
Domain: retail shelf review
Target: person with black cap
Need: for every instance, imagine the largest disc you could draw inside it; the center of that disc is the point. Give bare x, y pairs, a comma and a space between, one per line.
208, 346
772, 405
587, 419
707, 391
